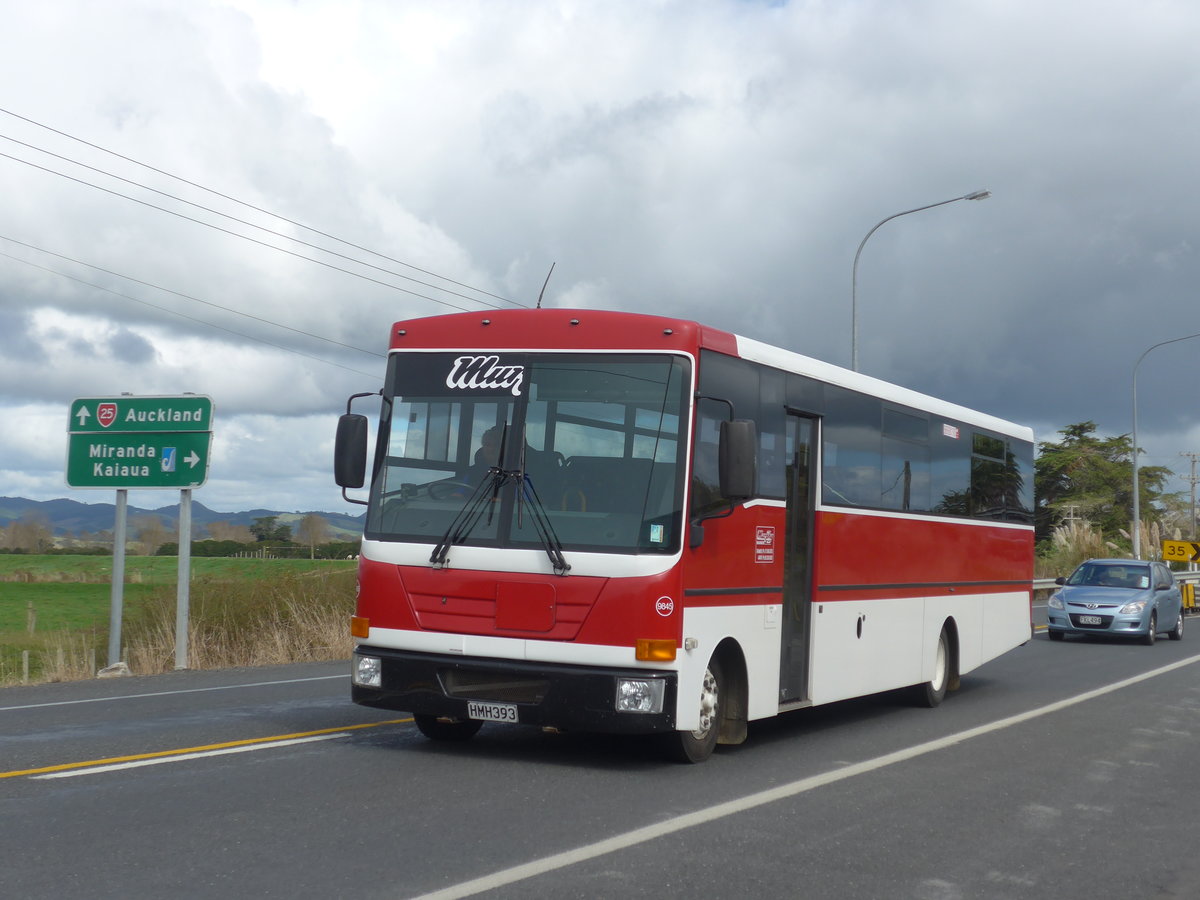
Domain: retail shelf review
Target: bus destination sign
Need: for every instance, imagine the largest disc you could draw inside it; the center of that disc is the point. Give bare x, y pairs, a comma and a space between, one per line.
135, 443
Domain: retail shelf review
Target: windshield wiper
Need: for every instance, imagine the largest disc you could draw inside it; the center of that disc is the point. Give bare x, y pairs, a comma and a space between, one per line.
468, 517
485, 497
541, 521
545, 531
472, 511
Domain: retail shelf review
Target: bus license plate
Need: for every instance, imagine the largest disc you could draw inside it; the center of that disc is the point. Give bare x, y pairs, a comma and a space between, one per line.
1089, 620
492, 712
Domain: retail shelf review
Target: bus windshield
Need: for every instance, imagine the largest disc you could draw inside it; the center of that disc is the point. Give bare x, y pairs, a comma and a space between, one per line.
593, 444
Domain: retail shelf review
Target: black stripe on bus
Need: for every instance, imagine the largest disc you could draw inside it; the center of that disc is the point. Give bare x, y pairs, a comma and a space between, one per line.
721, 592
921, 584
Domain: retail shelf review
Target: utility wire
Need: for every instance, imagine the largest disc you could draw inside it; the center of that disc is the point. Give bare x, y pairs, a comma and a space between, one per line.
242, 236
255, 208
245, 222
158, 287
173, 312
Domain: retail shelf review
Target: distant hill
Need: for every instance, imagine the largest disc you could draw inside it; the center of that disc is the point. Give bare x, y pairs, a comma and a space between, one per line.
71, 516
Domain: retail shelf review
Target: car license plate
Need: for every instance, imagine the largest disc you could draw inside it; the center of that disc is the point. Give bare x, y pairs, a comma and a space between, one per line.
492, 712
1090, 620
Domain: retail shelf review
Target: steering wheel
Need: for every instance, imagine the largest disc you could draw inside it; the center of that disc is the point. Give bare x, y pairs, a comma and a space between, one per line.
448, 490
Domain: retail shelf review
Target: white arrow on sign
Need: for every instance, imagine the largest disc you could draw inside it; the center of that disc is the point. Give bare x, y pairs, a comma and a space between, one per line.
82, 416
191, 459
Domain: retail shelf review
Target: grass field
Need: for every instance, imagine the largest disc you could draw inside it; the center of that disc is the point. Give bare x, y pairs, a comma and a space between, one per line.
153, 569
243, 612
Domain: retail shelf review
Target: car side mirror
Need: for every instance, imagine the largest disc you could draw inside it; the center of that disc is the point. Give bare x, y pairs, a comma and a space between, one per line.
1060, 580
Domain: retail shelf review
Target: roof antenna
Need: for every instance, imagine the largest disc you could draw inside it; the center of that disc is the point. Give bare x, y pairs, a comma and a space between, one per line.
544, 283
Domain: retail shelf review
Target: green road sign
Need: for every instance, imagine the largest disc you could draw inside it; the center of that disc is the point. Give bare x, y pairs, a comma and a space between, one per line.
188, 412
137, 461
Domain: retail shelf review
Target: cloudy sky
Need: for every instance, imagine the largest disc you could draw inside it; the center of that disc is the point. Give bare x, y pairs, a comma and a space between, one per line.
237, 197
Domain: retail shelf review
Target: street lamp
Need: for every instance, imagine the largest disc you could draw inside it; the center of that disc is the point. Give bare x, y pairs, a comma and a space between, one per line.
974, 195
1137, 509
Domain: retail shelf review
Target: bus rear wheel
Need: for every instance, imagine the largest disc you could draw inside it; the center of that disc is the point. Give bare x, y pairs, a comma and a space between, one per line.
445, 730
933, 692
697, 746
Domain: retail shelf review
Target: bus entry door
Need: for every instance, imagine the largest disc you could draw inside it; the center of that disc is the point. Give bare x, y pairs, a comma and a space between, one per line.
797, 560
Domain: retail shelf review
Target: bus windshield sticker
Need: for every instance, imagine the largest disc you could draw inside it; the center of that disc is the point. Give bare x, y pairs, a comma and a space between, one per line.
485, 373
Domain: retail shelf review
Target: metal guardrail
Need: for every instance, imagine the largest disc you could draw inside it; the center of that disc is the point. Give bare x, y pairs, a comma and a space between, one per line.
1046, 584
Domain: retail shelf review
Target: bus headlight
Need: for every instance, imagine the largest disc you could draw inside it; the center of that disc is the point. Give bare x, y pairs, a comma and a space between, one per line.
640, 695
367, 671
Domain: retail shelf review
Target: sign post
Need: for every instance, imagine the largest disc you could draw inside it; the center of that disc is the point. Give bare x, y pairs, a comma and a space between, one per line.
142, 443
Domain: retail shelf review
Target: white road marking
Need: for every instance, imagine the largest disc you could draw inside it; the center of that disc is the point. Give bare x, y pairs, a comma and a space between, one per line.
222, 687
134, 764
732, 807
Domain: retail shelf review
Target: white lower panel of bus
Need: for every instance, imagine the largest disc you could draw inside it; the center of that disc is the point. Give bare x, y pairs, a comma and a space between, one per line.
864, 647
467, 645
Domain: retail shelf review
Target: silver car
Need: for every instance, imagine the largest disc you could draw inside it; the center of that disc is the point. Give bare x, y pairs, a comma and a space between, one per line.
1117, 597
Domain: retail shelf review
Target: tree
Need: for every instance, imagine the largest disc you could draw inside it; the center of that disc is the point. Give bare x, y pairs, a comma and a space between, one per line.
1085, 476
152, 533
312, 530
267, 528
31, 533
226, 531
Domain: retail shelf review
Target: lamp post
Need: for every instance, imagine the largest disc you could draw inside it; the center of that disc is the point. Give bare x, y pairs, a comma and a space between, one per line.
1137, 509
974, 195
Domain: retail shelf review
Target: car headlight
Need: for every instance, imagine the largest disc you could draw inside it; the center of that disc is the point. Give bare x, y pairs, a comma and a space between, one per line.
640, 695
1130, 609
1055, 602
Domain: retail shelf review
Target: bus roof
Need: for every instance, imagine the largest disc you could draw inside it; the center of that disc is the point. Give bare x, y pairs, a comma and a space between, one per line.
591, 329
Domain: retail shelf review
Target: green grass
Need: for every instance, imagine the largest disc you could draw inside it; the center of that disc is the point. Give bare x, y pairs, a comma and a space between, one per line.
154, 569
62, 605
240, 598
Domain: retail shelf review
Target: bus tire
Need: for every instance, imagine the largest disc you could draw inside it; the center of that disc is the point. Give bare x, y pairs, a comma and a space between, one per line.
442, 730
697, 746
933, 692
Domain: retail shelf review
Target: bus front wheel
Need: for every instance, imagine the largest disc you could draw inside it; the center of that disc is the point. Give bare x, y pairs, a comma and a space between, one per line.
697, 746
445, 730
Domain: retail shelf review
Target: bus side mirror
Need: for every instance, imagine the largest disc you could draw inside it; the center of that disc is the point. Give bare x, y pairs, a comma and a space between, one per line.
350, 451
738, 459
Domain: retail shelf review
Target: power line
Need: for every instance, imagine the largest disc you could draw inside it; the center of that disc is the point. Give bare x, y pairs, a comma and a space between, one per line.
251, 206
158, 287
217, 212
173, 312
244, 237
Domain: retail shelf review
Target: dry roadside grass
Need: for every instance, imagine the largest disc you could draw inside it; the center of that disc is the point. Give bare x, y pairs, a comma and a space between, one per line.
289, 618
297, 618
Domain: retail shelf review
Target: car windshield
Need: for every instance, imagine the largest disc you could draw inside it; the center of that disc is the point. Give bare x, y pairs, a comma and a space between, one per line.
525, 449
1123, 575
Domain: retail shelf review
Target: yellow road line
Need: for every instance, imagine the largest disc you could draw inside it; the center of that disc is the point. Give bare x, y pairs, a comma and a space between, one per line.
64, 767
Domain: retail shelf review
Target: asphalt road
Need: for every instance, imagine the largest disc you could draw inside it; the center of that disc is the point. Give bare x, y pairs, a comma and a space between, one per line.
1060, 770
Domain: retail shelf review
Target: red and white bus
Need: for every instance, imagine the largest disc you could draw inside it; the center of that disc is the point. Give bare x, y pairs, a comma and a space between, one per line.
610, 522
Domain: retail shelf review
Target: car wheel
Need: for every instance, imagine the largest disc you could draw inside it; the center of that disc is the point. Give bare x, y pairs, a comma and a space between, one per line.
932, 692
441, 730
1151, 634
697, 746
1054, 635
1177, 631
